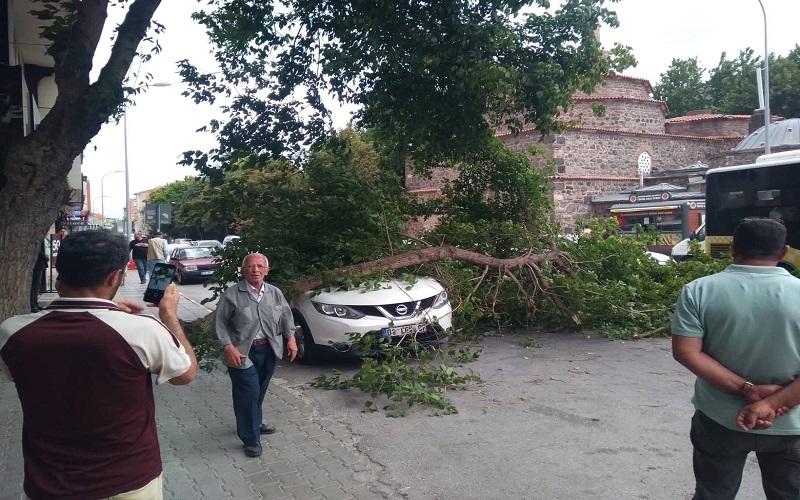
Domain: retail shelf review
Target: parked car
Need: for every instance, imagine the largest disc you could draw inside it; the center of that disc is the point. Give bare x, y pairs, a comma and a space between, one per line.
193, 263
207, 243
229, 238
681, 250
396, 310
182, 241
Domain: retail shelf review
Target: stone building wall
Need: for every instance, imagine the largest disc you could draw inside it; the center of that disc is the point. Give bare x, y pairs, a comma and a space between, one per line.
732, 158
621, 113
627, 86
601, 153
572, 199
713, 126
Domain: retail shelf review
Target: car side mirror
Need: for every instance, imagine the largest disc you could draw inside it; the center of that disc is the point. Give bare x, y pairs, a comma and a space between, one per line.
693, 236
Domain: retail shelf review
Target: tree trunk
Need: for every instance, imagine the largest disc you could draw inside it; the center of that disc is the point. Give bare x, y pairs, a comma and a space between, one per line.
33, 175
432, 254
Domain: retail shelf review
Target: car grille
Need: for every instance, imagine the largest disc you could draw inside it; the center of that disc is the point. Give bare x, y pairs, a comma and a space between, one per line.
391, 309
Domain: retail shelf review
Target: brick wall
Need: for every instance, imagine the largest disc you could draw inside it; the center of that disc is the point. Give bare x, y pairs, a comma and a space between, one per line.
710, 127
731, 158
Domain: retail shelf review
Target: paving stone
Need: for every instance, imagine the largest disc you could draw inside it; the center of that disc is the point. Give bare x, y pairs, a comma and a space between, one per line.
271, 491
302, 492
364, 493
332, 493
241, 491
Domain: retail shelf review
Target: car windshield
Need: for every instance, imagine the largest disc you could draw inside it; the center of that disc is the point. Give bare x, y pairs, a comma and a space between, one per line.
199, 253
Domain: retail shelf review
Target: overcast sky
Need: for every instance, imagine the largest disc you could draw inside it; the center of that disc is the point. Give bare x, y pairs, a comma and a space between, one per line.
162, 124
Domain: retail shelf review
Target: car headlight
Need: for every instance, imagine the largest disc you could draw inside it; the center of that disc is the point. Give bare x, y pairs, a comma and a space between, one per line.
190, 268
337, 311
440, 300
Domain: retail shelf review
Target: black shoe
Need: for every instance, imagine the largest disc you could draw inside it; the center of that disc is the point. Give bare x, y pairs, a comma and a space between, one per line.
252, 451
267, 429
142, 282
36, 309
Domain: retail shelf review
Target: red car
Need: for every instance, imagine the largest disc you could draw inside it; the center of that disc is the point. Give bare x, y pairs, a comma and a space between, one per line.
193, 263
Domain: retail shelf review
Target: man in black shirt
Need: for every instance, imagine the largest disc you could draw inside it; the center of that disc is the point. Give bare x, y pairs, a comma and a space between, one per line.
138, 246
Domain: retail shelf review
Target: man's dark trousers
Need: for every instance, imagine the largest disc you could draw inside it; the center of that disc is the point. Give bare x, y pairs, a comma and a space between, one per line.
720, 454
141, 267
249, 387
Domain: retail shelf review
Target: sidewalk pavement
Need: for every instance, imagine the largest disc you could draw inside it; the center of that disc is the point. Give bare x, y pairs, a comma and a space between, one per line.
309, 457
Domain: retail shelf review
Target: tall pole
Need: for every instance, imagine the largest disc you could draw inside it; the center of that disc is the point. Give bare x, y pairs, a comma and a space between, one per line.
126, 225
102, 195
767, 112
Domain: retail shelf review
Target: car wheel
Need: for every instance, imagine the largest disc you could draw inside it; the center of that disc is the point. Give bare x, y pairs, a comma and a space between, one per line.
307, 352
179, 278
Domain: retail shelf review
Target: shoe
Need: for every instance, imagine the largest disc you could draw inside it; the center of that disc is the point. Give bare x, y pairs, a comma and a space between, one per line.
267, 429
252, 451
142, 282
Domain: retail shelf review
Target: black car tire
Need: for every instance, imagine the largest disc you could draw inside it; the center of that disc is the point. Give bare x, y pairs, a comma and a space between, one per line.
179, 278
307, 352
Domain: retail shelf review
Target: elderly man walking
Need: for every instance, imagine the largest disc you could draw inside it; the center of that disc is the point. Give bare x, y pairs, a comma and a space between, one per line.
739, 332
252, 322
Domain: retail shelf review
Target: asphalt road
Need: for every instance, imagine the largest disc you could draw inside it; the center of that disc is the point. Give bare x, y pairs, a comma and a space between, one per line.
579, 417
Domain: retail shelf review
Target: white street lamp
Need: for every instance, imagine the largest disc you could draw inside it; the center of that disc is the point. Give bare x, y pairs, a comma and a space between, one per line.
767, 112
127, 222
103, 197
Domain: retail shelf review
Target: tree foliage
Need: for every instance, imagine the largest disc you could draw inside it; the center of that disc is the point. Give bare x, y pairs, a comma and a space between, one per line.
433, 79
731, 86
682, 87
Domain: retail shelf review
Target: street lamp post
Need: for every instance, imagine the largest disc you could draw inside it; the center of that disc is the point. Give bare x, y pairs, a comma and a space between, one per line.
127, 223
767, 112
103, 197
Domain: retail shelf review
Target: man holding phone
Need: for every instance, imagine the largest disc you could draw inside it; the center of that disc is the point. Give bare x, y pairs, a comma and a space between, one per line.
83, 370
251, 323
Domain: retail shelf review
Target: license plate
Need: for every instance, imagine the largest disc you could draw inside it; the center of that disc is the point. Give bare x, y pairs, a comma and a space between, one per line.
397, 331
206, 273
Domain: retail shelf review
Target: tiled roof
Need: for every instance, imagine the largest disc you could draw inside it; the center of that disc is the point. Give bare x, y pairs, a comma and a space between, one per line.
697, 118
663, 104
565, 177
630, 132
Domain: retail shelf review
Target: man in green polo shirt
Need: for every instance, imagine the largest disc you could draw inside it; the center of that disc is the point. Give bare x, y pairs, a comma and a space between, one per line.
739, 332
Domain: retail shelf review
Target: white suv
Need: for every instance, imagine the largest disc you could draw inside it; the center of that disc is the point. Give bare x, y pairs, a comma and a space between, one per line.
397, 310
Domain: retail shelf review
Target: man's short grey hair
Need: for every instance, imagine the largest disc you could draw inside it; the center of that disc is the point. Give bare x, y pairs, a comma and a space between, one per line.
255, 254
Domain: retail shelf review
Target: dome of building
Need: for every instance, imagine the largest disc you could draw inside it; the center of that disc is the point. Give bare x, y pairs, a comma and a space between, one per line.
782, 133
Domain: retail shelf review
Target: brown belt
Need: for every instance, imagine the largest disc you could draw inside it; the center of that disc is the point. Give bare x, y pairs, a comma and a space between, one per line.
260, 341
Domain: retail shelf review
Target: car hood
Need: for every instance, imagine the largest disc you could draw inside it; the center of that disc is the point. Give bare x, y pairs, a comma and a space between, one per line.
201, 261
391, 291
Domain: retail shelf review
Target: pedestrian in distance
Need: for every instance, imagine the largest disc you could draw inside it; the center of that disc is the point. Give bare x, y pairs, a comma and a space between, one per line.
138, 247
738, 331
156, 251
252, 322
38, 278
83, 369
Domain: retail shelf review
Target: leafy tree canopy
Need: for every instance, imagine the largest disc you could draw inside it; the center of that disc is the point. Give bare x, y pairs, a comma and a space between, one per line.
682, 87
433, 78
731, 86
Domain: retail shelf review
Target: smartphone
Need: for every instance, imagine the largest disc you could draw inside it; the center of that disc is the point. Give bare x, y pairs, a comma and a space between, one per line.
160, 278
